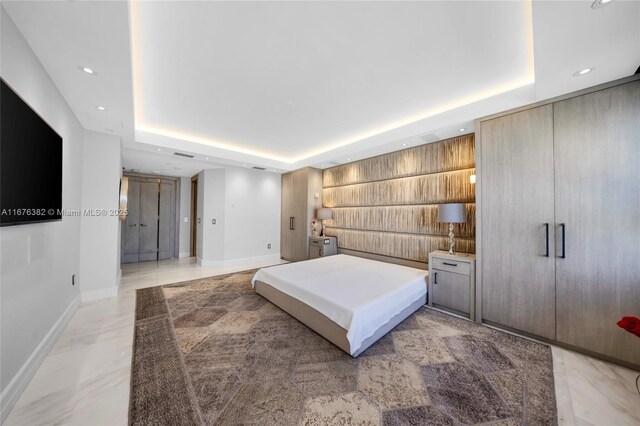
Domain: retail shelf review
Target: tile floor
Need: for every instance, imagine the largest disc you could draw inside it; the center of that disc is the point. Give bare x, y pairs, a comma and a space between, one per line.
85, 378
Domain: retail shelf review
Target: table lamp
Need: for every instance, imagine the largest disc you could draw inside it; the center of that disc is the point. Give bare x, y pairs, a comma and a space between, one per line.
324, 214
451, 213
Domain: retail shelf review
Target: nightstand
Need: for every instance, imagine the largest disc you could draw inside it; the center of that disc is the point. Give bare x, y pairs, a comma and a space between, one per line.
322, 246
452, 282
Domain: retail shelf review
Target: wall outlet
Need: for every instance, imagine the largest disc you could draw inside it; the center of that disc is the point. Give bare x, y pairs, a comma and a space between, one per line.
269, 246
73, 279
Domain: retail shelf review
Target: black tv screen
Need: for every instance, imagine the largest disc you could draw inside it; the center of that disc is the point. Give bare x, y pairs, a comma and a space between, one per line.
30, 164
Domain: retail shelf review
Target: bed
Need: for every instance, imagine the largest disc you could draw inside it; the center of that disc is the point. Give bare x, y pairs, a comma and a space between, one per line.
350, 301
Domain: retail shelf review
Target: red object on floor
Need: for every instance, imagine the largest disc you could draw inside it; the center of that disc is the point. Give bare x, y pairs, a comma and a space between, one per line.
631, 324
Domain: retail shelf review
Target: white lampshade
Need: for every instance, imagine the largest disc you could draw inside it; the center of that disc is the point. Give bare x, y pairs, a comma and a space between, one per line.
451, 213
324, 214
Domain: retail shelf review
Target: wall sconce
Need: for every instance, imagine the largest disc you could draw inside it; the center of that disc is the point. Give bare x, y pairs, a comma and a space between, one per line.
472, 178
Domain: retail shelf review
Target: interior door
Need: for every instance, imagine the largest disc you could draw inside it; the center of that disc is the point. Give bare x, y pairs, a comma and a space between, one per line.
167, 220
286, 233
148, 221
597, 150
517, 216
131, 228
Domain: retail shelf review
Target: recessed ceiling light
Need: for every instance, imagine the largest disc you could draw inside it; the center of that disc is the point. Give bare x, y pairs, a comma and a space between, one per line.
404, 144
158, 149
462, 129
101, 108
348, 159
582, 72
206, 158
600, 3
244, 165
88, 70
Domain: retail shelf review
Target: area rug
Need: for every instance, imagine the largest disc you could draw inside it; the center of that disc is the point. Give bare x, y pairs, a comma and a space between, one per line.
212, 351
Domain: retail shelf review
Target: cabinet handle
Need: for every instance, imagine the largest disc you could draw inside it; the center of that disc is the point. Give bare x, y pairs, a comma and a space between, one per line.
435, 278
449, 264
142, 224
290, 223
293, 223
135, 224
546, 230
564, 253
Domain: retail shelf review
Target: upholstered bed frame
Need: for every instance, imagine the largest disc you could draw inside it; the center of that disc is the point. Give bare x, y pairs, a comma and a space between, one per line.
325, 327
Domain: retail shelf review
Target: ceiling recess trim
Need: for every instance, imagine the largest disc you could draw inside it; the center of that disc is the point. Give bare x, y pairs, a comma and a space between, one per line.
140, 125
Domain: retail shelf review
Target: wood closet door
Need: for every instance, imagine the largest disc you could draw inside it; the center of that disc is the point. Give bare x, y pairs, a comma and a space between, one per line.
300, 216
131, 226
286, 234
167, 220
518, 280
597, 157
148, 221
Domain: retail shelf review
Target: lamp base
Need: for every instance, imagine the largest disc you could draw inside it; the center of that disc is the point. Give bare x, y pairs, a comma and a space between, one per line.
452, 243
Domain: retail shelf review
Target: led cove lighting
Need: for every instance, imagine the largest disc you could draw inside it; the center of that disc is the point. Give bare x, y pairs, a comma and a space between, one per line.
527, 79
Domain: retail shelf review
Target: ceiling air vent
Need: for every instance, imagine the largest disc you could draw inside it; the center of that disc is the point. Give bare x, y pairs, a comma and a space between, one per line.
431, 137
258, 168
179, 154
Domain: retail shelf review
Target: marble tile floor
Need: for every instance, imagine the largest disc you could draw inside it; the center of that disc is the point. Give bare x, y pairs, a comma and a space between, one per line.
84, 380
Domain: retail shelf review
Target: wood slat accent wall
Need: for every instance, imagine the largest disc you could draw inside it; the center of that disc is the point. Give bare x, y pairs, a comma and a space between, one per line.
387, 205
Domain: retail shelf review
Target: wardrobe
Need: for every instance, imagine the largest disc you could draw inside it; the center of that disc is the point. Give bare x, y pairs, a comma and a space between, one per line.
558, 213
301, 197
149, 231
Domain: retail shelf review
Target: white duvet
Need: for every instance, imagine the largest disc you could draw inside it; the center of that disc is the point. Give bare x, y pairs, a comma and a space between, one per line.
358, 294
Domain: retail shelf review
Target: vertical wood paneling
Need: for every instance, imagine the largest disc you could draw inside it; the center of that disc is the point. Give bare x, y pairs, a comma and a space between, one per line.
410, 219
451, 154
448, 187
387, 205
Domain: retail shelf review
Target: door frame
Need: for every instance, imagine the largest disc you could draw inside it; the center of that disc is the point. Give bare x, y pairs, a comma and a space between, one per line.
193, 230
146, 177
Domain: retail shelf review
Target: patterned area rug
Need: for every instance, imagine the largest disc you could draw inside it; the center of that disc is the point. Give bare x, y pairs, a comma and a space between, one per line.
212, 351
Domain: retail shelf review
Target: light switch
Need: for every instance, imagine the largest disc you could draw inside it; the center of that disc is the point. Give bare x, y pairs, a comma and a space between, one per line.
316, 195
213, 221
186, 219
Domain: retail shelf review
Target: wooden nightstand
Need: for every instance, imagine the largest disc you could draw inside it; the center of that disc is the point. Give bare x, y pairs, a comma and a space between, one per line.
322, 246
452, 282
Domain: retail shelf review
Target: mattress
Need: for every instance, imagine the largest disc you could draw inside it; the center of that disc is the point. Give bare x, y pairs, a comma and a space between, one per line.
361, 296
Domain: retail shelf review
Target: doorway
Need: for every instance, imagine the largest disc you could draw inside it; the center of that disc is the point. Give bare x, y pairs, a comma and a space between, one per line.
194, 216
149, 231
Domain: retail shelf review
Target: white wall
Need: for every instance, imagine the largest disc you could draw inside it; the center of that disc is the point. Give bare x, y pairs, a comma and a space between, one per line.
38, 260
185, 212
99, 241
252, 212
246, 206
213, 202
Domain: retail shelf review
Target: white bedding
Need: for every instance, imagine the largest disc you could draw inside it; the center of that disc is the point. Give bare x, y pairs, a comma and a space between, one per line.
360, 295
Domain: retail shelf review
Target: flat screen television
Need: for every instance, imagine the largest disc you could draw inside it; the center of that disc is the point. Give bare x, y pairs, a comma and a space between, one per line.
30, 164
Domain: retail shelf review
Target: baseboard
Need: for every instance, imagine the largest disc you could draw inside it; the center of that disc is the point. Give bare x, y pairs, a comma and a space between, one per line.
101, 293
18, 384
184, 254
237, 262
